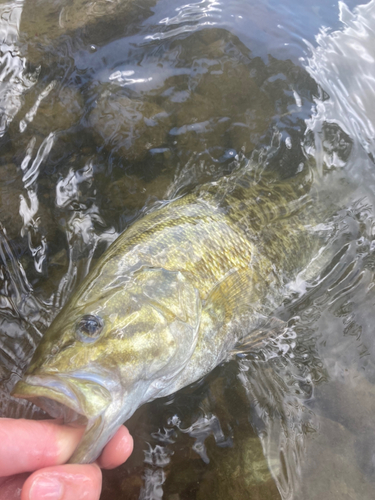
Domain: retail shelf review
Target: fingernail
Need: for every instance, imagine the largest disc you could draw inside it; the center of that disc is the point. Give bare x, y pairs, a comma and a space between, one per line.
46, 488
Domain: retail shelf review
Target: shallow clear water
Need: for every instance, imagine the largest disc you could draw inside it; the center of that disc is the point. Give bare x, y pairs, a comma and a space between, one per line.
107, 107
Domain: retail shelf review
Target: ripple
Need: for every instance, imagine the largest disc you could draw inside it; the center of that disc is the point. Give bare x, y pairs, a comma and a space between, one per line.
343, 64
189, 18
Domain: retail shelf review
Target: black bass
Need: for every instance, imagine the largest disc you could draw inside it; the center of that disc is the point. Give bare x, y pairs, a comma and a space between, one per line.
170, 299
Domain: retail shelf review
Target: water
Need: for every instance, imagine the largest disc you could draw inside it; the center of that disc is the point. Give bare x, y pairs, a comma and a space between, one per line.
107, 108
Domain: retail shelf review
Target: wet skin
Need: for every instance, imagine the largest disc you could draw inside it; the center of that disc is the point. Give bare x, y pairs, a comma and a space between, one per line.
41, 448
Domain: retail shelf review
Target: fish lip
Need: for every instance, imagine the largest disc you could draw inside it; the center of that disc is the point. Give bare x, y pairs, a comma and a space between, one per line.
67, 395
48, 389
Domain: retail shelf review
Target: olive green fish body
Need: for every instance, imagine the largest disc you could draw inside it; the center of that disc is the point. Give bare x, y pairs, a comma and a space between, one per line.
169, 299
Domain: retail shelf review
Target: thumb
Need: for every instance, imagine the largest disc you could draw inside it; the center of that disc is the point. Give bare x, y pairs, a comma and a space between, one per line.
28, 445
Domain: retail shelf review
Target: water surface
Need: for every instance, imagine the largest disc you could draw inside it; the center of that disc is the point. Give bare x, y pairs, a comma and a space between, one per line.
107, 108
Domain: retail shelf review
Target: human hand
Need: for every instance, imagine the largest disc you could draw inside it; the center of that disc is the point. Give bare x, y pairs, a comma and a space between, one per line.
44, 446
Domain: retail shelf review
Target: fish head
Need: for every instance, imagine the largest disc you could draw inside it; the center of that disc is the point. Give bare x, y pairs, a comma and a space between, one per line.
112, 349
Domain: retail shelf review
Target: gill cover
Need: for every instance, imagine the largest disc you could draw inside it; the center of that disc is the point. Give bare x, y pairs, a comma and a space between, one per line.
129, 342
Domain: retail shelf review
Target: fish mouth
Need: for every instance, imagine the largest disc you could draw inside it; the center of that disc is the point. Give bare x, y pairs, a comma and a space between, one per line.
79, 398
75, 400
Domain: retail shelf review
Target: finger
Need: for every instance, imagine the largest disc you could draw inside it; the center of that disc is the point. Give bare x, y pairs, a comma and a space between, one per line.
117, 450
10, 487
28, 445
64, 482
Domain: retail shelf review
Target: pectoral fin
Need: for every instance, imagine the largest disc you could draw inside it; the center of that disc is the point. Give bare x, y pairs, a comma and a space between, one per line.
258, 338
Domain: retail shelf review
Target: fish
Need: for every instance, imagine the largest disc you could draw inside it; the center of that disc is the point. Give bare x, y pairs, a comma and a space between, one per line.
172, 298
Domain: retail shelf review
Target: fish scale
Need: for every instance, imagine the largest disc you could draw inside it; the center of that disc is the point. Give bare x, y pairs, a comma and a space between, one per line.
171, 299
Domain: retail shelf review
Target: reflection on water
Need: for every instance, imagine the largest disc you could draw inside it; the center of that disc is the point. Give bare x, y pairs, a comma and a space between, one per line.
14, 79
106, 110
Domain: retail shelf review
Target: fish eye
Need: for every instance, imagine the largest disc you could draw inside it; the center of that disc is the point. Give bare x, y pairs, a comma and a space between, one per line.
89, 327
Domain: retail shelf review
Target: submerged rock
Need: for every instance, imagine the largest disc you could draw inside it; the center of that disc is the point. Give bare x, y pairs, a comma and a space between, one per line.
11, 188
48, 31
131, 193
46, 21
51, 108
240, 472
128, 127
331, 470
